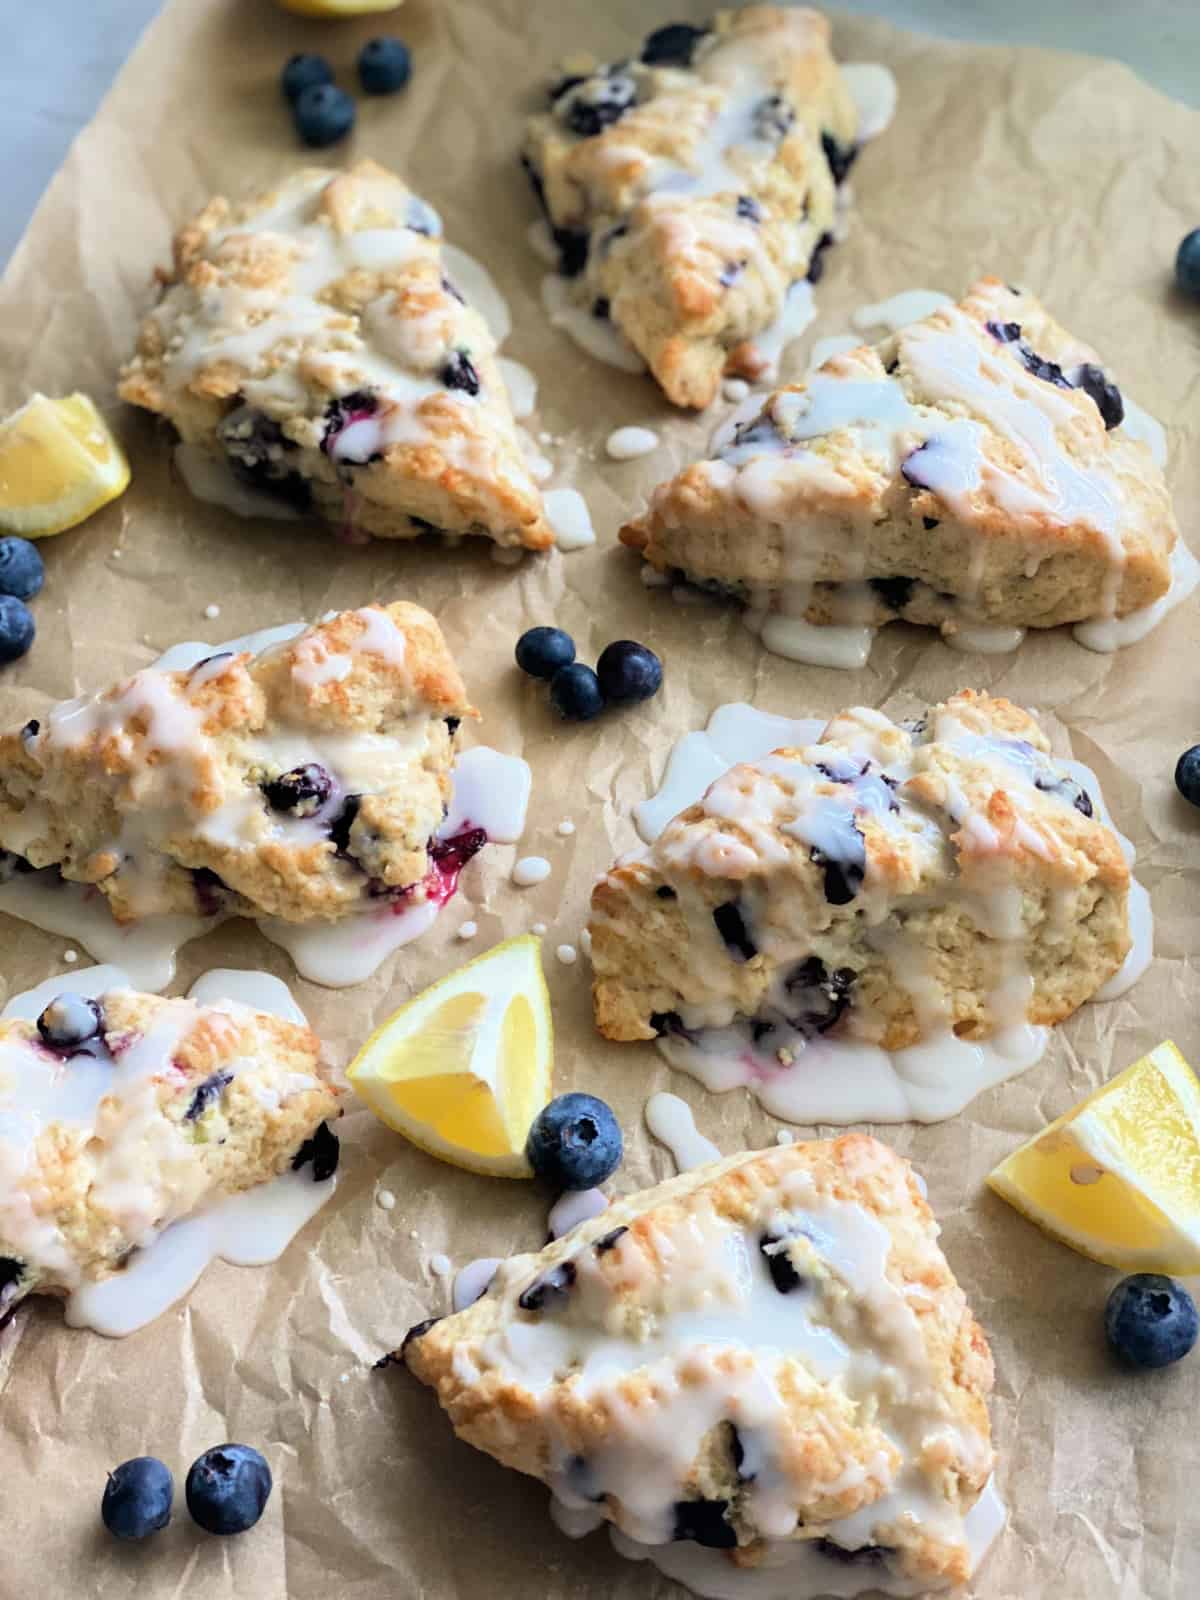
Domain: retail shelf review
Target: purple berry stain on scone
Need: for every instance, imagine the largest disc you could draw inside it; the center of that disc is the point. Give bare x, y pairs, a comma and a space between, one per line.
300, 792
256, 448
211, 1089
323, 1150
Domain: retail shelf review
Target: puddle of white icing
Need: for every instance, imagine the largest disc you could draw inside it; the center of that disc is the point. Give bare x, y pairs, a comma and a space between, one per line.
471, 1281
671, 1122
599, 336
735, 732
798, 310
842, 1080
479, 290
1106, 634
574, 1207
567, 513
908, 306
1139, 424
522, 387
873, 90
211, 480
795, 639
530, 870
627, 444
983, 639
247, 1229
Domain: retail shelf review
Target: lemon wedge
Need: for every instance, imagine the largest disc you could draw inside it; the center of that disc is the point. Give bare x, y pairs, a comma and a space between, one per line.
338, 8
464, 1068
58, 463
1118, 1178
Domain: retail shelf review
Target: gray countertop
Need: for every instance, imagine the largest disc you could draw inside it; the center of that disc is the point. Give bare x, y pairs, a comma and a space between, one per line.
62, 56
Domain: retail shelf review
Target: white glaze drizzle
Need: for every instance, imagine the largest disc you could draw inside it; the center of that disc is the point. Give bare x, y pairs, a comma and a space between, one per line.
671, 1122
873, 90
573, 1207
910, 305
530, 870
599, 336
1106, 634
567, 513
471, 1281
627, 444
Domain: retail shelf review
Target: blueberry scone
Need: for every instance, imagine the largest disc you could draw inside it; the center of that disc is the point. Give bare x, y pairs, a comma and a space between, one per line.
305, 783
971, 468
888, 884
121, 1115
768, 1358
311, 342
690, 188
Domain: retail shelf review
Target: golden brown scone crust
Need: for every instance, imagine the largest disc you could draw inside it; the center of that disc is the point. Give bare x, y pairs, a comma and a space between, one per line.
83, 1192
976, 866
322, 304
152, 787
670, 1403
693, 267
847, 507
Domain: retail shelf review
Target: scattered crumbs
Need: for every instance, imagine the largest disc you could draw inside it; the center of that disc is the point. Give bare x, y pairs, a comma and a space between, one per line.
440, 1265
567, 954
565, 829
530, 870
785, 1136
212, 612
539, 928
70, 957
585, 941
468, 930
413, 1234
385, 1200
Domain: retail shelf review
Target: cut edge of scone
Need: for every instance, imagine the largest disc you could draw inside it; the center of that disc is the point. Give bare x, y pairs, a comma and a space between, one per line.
330, 373
746, 1243
940, 499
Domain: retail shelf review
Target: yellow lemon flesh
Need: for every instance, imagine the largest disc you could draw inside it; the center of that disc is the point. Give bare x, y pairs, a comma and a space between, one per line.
58, 464
1118, 1178
463, 1069
338, 8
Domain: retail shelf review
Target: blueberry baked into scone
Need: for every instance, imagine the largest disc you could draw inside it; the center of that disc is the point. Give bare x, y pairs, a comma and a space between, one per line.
889, 884
971, 468
688, 189
123, 1114
305, 783
764, 1366
311, 342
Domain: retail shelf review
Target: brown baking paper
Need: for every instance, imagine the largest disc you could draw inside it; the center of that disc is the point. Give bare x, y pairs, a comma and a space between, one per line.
1054, 171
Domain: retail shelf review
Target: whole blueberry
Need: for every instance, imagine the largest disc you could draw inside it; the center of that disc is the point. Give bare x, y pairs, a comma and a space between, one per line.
575, 693
384, 65
21, 569
17, 628
542, 651
628, 672
304, 72
70, 1020
227, 1488
324, 114
1150, 1320
575, 1142
1187, 262
1187, 775
137, 1498
301, 791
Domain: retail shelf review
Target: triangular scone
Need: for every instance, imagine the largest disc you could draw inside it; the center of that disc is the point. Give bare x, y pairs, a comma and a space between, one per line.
688, 190
970, 468
305, 783
768, 1356
123, 1114
311, 342
888, 884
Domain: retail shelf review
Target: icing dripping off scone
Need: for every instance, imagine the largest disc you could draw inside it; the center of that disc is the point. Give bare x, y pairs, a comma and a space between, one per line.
671, 1122
116, 1093
805, 1072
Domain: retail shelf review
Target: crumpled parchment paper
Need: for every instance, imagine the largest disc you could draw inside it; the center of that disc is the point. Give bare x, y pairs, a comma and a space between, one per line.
1055, 171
